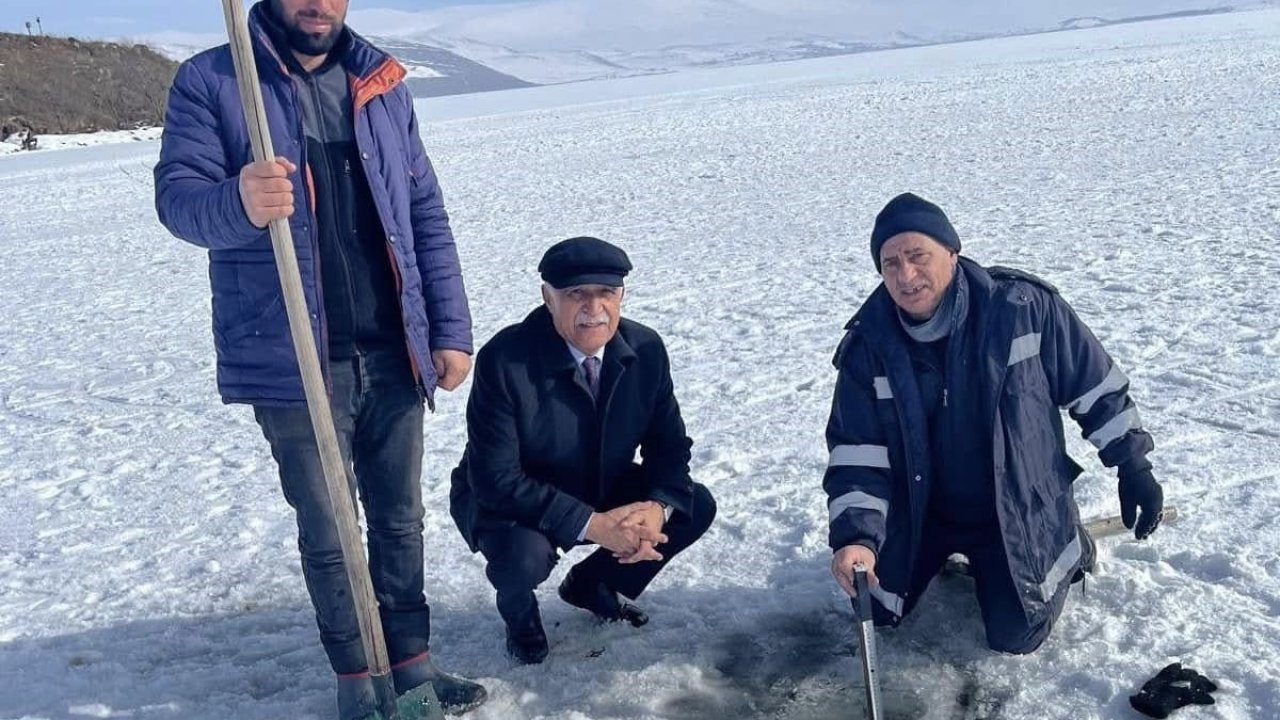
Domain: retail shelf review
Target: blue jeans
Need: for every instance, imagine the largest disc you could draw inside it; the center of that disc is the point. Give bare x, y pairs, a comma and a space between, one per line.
378, 413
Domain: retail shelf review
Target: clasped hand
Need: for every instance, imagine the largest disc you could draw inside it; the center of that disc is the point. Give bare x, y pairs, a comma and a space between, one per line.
632, 532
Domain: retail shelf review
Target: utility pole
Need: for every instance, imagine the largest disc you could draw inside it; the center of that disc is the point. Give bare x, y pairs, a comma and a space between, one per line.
39, 26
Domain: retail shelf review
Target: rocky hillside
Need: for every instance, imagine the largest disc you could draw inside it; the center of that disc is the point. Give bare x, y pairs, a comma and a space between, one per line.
65, 85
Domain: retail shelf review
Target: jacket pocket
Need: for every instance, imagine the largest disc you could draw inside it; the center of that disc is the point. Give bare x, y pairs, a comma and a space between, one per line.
1034, 447
248, 297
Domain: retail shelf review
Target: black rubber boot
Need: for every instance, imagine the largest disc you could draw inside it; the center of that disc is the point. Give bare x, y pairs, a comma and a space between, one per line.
356, 697
456, 695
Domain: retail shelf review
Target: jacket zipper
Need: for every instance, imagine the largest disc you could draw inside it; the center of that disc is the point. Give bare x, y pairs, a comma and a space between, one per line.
334, 214
395, 270
312, 239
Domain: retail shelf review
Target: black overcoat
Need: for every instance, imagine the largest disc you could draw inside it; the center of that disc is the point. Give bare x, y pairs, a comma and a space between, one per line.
543, 454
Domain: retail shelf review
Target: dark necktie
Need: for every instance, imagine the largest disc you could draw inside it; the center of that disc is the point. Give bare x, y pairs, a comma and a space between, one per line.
591, 366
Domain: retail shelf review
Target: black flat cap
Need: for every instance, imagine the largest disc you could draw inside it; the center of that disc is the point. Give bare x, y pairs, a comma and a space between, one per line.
584, 261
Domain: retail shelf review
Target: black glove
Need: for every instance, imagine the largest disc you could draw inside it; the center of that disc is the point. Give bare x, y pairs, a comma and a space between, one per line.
1140, 490
1172, 688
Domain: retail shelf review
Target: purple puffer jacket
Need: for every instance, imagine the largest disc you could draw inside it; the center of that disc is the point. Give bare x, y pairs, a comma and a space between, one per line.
205, 145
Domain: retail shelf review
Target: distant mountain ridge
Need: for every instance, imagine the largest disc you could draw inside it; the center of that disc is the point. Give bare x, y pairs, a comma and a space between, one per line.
433, 70
475, 48
551, 41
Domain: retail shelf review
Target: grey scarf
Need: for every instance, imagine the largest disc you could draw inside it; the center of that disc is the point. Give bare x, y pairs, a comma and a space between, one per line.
946, 318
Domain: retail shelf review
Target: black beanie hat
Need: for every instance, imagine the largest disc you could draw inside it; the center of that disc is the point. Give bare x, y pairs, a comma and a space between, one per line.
911, 213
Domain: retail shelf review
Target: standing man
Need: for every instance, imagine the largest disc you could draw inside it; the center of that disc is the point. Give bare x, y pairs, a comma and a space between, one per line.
559, 406
383, 284
946, 434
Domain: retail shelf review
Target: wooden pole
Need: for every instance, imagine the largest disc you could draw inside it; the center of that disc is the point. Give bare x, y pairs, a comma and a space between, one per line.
1109, 526
1097, 528
317, 394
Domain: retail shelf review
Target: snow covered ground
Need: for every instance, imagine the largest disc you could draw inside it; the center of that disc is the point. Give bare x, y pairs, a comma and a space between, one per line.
147, 561
13, 144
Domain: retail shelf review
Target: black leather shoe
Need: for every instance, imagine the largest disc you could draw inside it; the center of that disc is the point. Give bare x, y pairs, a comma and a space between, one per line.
598, 599
633, 615
527, 649
526, 640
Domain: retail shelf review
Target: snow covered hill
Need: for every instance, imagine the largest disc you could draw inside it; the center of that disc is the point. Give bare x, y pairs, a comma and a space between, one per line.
433, 70
493, 47
148, 567
560, 40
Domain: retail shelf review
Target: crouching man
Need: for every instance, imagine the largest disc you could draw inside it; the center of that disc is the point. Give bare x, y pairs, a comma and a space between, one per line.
560, 403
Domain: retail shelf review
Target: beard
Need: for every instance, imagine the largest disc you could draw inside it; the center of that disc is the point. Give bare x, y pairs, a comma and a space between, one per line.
313, 44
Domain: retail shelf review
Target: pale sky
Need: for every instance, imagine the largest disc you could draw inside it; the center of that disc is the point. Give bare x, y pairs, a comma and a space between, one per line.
116, 18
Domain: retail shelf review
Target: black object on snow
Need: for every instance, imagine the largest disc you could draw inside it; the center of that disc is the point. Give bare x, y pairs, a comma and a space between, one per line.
1172, 688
